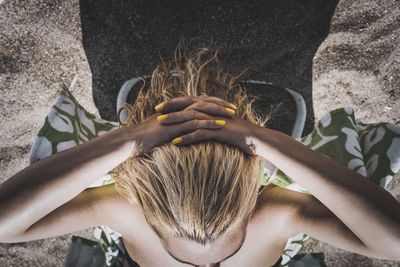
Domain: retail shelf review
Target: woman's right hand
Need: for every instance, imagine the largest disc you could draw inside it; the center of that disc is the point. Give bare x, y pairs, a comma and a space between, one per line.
203, 112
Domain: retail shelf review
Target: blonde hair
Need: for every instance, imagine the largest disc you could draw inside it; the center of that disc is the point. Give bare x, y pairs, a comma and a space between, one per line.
201, 191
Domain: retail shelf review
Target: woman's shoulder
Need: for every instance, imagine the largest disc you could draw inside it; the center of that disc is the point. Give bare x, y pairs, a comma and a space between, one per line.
276, 197
274, 204
116, 211
277, 205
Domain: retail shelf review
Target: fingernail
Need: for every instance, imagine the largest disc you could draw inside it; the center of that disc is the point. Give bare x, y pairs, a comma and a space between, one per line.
162, 117
219, 122
233, 106
159, 106
230, 110
176, 140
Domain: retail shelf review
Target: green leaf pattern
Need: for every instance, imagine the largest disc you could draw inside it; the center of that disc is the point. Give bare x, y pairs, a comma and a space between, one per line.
372, 150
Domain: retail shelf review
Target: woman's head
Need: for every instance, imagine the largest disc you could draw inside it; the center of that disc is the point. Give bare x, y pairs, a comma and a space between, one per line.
202, 192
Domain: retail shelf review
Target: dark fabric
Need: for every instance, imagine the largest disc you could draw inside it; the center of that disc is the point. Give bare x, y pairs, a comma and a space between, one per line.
131, 263
275, 103
83, 252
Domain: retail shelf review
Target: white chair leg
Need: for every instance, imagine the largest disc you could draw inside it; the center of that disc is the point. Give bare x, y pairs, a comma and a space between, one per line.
122, 97
297, 129
301, 110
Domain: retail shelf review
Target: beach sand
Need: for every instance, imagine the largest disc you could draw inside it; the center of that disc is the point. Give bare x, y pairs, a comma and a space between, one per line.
335, 54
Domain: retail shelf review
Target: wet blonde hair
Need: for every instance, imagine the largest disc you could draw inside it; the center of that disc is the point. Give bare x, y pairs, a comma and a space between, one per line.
201, 191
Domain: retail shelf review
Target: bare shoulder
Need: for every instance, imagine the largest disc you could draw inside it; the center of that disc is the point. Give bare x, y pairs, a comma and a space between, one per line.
306, 214
283, 201
288, 209
275, 205
115, 210
269, 228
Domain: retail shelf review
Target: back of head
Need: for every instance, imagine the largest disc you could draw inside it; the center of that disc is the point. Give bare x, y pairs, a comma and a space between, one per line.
200, 191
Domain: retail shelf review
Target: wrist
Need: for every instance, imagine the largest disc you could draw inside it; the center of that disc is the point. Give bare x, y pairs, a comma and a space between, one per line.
126, 138
266, 141
136, 138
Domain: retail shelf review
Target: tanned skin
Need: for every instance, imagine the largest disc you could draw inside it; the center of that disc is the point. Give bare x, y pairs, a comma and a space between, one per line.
49, 198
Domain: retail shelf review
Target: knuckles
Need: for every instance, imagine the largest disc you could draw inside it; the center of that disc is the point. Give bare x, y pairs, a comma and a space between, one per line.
193, 113
201, 133
191, 98
195, 124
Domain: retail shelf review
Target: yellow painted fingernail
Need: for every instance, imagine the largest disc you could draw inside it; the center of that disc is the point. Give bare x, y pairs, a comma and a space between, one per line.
159, 106
233, 106
176, 140
220, 122
230, 110
162, 117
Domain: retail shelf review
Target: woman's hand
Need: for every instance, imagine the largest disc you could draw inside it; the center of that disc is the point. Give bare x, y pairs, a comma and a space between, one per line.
179, 117
202, 111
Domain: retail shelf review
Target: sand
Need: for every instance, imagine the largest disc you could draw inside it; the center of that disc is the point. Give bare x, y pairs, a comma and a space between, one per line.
334, 53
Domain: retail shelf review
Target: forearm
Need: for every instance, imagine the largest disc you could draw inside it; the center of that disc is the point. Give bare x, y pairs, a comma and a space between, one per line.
369, 211
47, 184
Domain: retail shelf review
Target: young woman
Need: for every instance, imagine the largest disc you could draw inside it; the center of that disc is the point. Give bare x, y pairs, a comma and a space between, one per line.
187, 183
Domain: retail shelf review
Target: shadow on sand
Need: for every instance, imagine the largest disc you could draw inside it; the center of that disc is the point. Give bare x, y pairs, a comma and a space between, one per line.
275, 40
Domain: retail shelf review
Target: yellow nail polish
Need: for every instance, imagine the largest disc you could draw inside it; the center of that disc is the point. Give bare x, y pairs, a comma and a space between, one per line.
176, 140
159, 106
219, 122
230, 110
162, 117
233, 106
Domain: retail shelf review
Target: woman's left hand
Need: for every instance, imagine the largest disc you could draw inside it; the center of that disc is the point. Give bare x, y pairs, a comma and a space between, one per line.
235, 132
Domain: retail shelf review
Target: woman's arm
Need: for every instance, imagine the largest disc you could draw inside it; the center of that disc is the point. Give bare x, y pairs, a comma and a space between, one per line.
369, 211
38, 190
47, 184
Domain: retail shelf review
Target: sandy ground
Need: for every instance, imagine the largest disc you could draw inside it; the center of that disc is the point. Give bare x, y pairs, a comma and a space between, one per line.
334, 54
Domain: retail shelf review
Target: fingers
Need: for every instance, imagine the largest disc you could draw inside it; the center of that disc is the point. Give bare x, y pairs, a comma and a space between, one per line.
194, 119
197, 136
176, 103
219, 101
181, 129
179, 103
193, 125
212, 108
198, 110
182, 116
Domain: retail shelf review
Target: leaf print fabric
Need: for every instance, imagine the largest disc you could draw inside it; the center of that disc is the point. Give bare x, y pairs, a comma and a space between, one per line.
67, 125
372, 150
